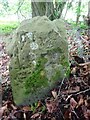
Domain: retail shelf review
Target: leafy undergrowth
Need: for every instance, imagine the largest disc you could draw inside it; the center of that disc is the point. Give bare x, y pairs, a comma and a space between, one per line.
80, 25
8, 27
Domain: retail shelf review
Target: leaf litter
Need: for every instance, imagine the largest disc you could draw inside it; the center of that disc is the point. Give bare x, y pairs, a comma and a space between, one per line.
70, 100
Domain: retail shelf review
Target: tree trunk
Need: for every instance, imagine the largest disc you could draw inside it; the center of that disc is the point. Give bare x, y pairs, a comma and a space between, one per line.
43, 8
88, 16
78, 11
50, 10
89, 9
38, 8
61, 7
69, 5
47, 8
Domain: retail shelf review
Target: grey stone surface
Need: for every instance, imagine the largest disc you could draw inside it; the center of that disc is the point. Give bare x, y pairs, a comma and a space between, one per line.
39, 58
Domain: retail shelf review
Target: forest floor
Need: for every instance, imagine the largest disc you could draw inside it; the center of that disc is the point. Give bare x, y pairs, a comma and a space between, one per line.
69, 101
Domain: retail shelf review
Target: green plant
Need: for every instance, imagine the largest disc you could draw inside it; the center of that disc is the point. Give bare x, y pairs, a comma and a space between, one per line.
7, 27
81, 25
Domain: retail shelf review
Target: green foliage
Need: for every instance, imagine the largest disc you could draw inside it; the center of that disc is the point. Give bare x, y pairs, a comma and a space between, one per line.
67, 72
81, 25
26, 8
78, 10
37, 79
21, 8
4, 6
7, 27
69, 5
33, 108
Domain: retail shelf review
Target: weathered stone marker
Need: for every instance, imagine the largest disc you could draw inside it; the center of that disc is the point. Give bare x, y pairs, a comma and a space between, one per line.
39, 58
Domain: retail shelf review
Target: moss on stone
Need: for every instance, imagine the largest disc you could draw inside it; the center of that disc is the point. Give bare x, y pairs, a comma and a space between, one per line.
38, 78
39, 58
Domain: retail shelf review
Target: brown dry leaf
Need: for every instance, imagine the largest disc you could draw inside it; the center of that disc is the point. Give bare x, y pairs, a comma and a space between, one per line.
87, 114
51, 105
86, 37
14, 107
81, 101
35, 115
73, 71
54, 93
26, 108
39, 104
2, 109
73, 103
